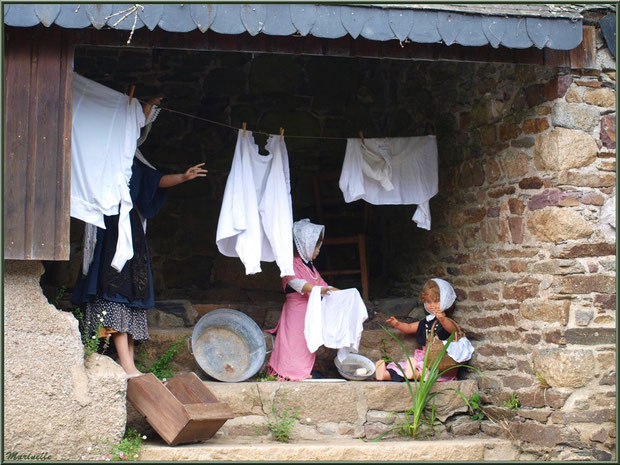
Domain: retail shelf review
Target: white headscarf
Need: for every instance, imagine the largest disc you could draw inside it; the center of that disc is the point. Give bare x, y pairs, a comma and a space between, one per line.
447, 296
306, 235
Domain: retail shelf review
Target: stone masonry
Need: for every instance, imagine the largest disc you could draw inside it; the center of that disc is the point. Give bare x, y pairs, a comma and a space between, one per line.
523, 225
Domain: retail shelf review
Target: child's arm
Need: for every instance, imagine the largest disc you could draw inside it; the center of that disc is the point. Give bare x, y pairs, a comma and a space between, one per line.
408, 328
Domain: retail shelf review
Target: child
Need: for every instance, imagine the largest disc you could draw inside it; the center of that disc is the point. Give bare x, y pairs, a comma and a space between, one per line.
438, 297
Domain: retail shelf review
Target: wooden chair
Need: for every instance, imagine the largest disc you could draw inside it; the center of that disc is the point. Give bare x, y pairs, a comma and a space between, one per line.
330, 204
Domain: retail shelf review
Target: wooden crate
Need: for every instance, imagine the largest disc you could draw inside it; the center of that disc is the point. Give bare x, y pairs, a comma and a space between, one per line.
181, 411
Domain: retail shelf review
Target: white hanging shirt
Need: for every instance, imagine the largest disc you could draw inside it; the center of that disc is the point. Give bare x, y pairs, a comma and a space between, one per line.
392, 171
105, 130
256, 219
334, 321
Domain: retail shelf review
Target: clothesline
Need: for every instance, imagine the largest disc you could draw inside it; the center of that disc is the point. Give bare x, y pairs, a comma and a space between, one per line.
239, 129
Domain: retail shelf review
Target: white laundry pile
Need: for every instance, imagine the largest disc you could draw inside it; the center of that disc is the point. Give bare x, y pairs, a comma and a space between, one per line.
105, 131
256, 219
392, 171
335, 321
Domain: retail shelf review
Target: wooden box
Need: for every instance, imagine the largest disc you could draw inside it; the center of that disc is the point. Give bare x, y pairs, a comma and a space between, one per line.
181, 411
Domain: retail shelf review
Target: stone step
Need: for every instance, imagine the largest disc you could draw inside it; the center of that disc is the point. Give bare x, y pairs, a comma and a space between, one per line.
255, 450
333, 410
370, 346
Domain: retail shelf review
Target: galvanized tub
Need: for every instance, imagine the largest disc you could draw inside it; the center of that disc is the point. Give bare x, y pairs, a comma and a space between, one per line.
228, 345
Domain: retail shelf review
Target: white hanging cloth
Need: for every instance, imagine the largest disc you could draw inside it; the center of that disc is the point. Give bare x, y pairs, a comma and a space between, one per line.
335, 321
256, 219
392, 171
105, 130
90, 230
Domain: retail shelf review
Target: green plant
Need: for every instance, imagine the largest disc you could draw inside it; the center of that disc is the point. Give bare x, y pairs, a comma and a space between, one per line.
264, 376
385, 352
513, 403
542, 382
420, 390
162, 367
475, 410
59, 295
284, 415
128, 448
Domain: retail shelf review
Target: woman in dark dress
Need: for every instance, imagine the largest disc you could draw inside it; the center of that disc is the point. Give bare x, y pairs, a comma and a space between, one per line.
116, 302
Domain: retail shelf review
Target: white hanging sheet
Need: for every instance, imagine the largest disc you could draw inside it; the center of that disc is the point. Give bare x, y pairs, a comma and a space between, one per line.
256, 219
105, 130
392, 171
335, 321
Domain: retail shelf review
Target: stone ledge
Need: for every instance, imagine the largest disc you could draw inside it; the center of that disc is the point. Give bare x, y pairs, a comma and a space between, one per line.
486, 449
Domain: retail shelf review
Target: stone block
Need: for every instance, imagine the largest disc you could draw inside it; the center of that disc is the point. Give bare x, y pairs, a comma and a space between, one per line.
562, 149
572, 96
535, 126
601, 97
537, 398
599, 249
578, 179
520, 292
555, 267
465, 426
514, 164
583, 318
565, 368
549, 311
508, 131
605, 301
516, 206
492, 171
531, 183
523, 142
172, 314
574, 116
497, 193
590, 336
545, 435
585, 284
554, 224
608, 131
515, 223
557, 87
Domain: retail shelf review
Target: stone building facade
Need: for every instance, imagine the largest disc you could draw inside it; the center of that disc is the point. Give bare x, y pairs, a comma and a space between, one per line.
523, 225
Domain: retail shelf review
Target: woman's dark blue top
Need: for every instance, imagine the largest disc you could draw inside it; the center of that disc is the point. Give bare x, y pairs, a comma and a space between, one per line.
133, 285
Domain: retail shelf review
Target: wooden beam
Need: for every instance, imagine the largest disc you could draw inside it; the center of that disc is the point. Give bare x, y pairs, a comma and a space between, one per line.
584, 55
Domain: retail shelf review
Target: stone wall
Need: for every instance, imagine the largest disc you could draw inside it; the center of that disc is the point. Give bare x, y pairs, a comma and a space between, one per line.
56, 405
523, 226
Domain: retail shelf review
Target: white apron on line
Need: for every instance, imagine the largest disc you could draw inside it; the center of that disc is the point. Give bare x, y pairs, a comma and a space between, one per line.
256, 219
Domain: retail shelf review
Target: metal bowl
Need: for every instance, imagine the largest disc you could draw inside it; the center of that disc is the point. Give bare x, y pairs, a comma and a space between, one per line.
347, 367
228, 345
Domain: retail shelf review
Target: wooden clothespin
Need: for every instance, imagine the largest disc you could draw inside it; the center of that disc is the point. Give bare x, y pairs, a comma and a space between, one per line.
131, 91
243, 126
281, 134
362, 136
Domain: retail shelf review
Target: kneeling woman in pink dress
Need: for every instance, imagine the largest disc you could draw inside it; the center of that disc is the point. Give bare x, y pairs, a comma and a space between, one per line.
291, 359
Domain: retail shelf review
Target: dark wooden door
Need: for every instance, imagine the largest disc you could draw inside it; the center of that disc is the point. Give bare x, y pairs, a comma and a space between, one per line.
37, 143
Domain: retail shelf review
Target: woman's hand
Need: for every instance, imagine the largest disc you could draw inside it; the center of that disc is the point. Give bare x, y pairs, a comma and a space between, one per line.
392, 321
195, 172
148, 106
328, 290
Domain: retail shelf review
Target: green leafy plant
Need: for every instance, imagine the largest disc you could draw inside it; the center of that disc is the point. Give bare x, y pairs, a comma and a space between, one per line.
128, 448
475, 409
59, 295
513, 403
284, 415
542, 382
385, 352
162, 367
91, 342
420, 390
264, 376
